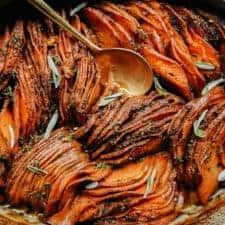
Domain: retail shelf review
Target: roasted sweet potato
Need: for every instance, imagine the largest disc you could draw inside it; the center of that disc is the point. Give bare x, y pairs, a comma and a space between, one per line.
138, 200
78, 150
129, 127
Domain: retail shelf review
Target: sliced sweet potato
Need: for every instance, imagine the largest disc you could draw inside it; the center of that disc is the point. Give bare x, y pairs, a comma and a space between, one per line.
14, 49
168, 70
7, 126
104, 30
120, 15
101, 202
3, 47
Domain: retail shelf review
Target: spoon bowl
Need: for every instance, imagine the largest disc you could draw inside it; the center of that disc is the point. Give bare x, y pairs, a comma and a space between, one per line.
126, 68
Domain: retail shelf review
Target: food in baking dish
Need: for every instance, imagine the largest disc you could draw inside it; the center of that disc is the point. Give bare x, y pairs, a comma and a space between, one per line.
78, 150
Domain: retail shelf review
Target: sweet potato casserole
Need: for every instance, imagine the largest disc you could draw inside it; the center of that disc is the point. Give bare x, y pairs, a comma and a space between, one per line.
74, 149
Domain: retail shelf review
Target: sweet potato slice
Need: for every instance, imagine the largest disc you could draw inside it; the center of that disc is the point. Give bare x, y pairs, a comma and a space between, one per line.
42, 173
163, 199
120, 15
147, 15
209, 171
126, 39
180, 129
7, 126
168, 70
3, 47
198, 47
128, 128
4, 148
14, 48
105, 31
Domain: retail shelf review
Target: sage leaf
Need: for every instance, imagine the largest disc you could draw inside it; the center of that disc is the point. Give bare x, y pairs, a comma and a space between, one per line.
158, 87
197, 131
211, 85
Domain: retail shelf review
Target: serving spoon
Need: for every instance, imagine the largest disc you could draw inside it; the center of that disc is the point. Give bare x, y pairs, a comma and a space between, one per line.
126, 68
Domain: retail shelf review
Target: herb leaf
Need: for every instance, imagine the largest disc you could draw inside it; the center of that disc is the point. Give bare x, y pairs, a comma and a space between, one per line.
52, 123
221, 176
34, 167
211, 85
150, 183
108, 99
12, 136
70, 137
197, 131
204, 65
158, 87
8, 92
78, 8
55, 73
92, 185
102, 165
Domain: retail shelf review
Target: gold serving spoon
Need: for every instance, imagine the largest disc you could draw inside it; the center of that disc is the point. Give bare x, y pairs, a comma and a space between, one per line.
128, 69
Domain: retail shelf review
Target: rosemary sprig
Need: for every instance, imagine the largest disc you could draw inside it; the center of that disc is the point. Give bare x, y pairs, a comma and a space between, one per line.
204, 65
150, 183
34, 167
55, 73
108, 99
211, 85
78, 8
52, 123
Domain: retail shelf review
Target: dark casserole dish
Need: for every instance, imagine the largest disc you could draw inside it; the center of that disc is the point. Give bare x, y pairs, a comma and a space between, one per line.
74, 149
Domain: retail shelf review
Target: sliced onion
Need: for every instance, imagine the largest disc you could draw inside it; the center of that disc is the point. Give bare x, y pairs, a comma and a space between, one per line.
211, 85
53, 121
197, 131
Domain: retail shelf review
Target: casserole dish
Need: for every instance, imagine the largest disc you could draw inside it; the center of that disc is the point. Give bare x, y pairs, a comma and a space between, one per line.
153, 159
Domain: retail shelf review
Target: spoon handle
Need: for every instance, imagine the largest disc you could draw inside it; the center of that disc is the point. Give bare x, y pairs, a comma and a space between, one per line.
44, 8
